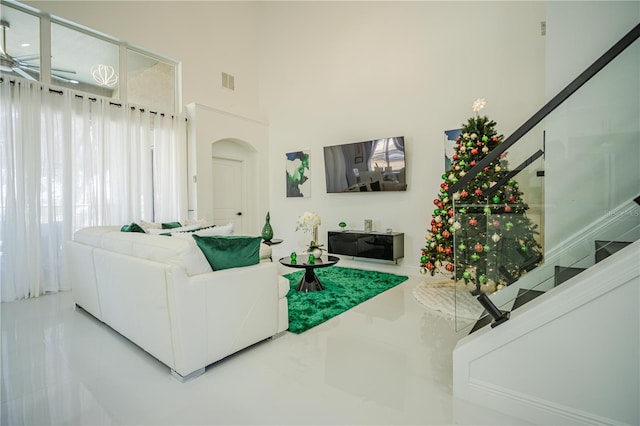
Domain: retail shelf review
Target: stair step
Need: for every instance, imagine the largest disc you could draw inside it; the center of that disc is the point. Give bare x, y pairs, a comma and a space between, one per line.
485, 319
525, 296
637, 199
563, 273
605, 249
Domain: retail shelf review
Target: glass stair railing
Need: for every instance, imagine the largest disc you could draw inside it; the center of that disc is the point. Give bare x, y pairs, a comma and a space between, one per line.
556, 197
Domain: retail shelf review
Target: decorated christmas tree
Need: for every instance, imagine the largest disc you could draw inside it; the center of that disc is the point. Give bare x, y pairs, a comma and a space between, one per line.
485, 239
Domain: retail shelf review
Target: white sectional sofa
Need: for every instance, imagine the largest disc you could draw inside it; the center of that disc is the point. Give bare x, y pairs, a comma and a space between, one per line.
161, 293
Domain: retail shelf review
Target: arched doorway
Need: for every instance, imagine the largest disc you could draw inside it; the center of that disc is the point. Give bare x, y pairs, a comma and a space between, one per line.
234, 184
232, 137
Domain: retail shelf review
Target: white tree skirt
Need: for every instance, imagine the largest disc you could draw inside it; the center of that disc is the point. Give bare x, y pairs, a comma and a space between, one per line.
443, 298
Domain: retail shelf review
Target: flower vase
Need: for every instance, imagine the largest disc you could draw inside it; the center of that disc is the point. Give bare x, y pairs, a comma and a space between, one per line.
314, 247
316, 252
267, 231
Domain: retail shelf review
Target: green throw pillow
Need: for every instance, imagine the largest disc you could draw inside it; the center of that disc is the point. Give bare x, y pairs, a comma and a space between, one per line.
229, 251
134, 227
171, 225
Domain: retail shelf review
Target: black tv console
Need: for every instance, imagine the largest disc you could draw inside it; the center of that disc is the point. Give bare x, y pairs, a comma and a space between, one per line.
371, 245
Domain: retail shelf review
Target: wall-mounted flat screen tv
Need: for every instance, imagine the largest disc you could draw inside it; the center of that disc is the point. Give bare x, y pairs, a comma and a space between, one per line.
368, 166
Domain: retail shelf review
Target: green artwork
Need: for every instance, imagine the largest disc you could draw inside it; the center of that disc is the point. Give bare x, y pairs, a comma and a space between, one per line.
298, 184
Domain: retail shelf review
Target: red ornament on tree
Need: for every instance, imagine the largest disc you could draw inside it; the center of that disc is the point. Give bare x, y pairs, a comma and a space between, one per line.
429, 266
507, 208
478, 192
473, 222
446, 234
464, 194
512, 198
449, 267
478, 247
474, 151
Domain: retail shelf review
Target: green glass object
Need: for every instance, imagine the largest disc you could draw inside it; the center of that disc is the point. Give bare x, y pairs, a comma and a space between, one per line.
294, 255
312, 259
267, 230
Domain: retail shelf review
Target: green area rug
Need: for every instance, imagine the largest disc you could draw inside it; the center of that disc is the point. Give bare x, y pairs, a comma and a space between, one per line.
344, 288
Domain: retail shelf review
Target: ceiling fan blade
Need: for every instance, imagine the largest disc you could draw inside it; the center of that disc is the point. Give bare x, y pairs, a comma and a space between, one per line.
63, 70
37, 68
66, 80
26, 58
24, 74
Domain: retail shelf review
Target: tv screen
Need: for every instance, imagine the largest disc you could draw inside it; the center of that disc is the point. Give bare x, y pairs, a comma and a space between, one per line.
368, 166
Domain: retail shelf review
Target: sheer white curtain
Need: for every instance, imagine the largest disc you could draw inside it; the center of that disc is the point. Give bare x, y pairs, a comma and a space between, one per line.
66, 162
170, 156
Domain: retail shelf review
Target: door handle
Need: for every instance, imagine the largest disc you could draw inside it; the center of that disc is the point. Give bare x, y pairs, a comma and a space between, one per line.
239, 214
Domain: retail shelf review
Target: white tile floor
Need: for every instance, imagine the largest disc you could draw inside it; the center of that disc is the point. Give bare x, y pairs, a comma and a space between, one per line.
386, 362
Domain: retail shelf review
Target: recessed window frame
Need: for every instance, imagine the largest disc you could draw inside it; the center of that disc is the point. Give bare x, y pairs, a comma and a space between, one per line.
45, 53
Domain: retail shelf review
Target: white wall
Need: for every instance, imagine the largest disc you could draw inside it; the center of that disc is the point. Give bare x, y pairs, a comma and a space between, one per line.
207, 37
338, 72
596, 135
325, 73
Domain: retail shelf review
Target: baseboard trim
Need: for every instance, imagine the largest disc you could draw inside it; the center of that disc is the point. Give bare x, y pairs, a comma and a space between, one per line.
544, 411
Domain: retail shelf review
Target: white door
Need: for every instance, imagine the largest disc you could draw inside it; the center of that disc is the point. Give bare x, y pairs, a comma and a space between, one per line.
228, 197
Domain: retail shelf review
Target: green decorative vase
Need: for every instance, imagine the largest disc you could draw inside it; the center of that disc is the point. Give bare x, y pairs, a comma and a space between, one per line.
267, 230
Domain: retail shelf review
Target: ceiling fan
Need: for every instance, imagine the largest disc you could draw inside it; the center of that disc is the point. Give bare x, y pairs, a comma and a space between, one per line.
21, 65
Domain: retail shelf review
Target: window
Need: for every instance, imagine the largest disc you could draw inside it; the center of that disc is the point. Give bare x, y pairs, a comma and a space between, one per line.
83, 60
150, 81
20, 32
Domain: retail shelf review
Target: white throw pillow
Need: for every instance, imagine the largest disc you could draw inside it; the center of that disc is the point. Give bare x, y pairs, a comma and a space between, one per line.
150, 225
212, 230
216, 230
202, 223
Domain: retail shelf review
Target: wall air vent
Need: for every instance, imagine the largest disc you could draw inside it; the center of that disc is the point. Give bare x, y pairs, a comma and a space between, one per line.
228, 81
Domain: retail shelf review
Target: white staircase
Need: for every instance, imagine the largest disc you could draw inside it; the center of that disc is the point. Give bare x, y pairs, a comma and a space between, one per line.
569, 356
